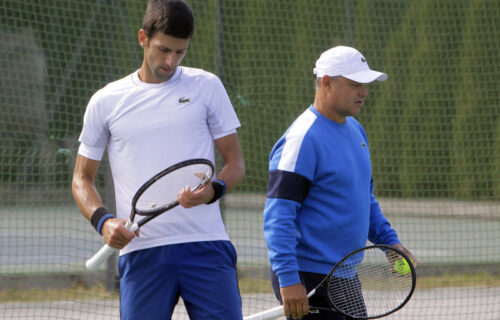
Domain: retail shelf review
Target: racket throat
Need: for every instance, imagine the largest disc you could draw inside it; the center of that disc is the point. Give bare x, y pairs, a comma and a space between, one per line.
315, 310
131, 226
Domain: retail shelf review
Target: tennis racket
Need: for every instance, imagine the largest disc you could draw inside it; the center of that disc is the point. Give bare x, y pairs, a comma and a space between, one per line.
368, 283
158, 195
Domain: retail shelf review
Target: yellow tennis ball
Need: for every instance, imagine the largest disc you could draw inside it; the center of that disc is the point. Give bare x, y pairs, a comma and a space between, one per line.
402, 267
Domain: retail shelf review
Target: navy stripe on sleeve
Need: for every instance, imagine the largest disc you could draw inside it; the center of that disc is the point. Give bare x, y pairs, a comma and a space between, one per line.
288, 185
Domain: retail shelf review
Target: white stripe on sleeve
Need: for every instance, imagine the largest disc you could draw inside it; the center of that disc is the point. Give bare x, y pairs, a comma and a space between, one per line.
293, 140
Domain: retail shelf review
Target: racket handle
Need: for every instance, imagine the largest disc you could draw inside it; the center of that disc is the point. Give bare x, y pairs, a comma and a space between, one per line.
100, 256
267, 314
106, 251
273, 313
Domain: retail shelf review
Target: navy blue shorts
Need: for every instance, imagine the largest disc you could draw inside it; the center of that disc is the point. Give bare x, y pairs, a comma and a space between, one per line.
202, 273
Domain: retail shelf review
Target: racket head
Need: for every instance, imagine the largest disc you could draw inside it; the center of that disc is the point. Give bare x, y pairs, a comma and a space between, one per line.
159, 193
366, 285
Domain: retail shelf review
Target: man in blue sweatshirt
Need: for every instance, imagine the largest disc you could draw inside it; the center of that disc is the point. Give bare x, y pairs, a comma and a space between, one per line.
320, 202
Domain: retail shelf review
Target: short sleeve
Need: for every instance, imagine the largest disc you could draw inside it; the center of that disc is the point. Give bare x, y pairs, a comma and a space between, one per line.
95, 132
222, 119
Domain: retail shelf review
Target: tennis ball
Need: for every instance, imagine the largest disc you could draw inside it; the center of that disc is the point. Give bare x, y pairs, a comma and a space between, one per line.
402, 267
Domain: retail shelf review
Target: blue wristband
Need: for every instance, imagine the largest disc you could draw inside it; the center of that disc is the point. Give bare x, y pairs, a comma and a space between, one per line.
98, 217
219, 188
223, 183
102, 220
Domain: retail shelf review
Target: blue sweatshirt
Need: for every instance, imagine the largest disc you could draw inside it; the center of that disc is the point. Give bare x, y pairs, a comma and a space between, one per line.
320, 203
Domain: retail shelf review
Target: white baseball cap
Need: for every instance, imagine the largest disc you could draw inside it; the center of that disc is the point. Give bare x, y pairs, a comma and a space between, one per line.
347, 62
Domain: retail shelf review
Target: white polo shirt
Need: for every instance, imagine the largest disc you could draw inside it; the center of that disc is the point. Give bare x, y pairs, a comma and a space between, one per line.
149, 127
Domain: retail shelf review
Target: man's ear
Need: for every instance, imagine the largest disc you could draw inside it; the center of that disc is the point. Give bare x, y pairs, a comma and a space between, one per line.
142, 38
326, 81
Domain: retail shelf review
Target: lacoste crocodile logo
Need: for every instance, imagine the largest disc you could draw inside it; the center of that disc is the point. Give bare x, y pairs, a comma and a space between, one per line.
184, 100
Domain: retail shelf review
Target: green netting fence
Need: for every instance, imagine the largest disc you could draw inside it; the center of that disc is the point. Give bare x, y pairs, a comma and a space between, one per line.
434, 132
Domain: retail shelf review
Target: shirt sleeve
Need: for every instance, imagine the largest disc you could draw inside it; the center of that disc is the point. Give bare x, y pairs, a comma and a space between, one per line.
94, 153
222, 119
95, 132
380, 231
287, 190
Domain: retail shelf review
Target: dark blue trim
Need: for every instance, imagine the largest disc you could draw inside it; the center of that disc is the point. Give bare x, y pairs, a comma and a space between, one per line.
288, 185
219, 188
101, 221
223, 183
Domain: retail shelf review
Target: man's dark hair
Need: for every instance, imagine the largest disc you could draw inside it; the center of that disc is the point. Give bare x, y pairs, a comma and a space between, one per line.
172, 17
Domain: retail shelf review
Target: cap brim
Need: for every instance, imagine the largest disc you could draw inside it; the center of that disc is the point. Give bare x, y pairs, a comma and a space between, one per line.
366, 76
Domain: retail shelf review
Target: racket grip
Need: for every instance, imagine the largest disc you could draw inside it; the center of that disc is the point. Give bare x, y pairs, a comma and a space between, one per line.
106, 250
100, 256
267, 314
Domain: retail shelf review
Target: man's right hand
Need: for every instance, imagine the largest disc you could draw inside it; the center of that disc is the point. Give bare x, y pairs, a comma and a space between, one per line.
115, 233
295, 303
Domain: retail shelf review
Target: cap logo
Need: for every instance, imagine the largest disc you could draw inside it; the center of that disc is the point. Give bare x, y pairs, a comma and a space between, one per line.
347, 62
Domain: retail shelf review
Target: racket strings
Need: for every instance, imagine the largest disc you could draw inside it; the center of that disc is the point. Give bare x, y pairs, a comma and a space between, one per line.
346, 295
367, 284
163, 192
